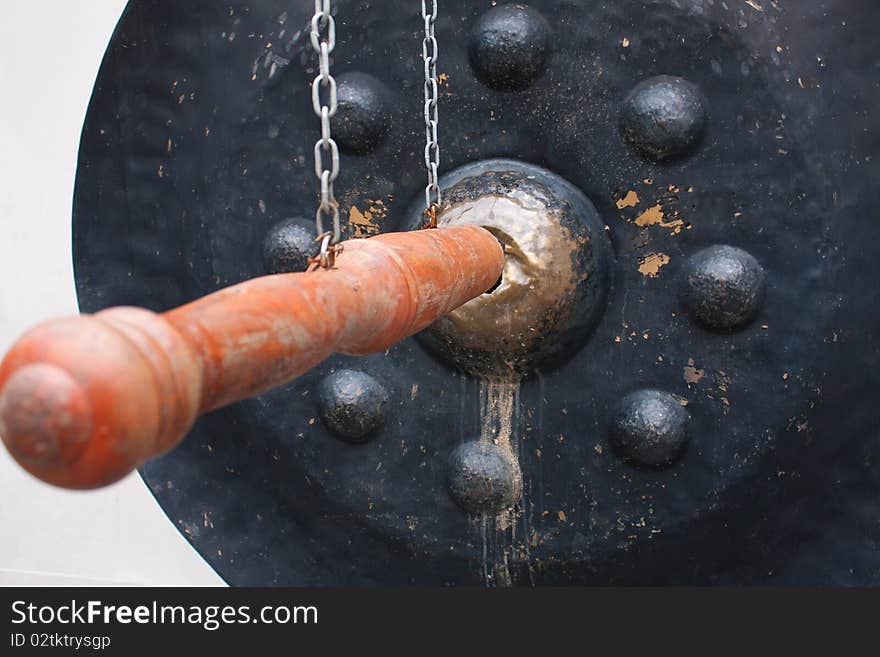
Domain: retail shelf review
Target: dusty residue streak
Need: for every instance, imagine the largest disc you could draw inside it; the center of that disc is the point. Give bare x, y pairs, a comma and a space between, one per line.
499, 418
498, 400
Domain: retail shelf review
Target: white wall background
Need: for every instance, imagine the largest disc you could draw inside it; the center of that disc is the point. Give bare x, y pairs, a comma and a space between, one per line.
49, 57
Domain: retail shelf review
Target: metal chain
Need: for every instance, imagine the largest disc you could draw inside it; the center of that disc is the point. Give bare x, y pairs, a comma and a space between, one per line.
430, 52
323, 34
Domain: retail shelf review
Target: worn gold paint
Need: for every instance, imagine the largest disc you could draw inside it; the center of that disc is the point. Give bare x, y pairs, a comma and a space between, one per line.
538, 278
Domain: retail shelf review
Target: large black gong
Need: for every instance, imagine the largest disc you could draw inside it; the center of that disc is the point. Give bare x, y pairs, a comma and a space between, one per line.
729, 152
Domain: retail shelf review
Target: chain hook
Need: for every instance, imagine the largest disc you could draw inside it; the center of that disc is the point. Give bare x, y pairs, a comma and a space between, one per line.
431, 215
326, 258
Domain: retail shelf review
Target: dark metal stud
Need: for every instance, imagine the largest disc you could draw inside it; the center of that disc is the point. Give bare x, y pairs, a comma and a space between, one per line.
289, 245
362, 119
664, 118
650, 428
723, 287
510, 47
484, 477
352, 405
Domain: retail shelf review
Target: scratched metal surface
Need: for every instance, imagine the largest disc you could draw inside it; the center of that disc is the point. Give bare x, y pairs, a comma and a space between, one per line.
199, 138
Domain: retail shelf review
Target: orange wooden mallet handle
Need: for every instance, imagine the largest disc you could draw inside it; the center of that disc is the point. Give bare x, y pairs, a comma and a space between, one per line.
85, 400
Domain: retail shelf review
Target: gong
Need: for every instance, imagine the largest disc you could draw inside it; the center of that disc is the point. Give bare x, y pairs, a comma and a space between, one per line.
698, 404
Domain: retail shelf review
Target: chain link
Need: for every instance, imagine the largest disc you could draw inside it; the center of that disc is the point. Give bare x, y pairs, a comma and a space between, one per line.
430, 52
324, 102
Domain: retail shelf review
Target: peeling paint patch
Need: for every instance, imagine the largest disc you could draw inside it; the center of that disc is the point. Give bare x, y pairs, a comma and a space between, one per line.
651, 216
719, 392
630, 200
364, 224
651, 264
655, 215
691, 373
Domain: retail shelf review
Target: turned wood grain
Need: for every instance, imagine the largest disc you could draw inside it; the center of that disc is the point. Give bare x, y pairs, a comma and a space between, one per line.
85, 400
